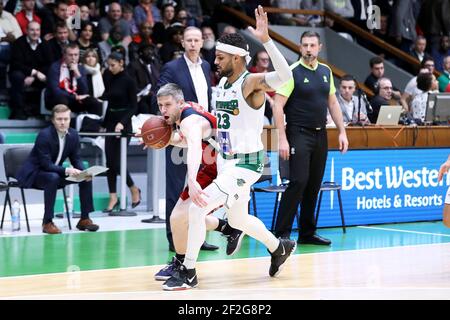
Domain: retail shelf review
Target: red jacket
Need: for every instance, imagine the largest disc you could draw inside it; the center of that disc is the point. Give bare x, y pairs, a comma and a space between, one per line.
23, 21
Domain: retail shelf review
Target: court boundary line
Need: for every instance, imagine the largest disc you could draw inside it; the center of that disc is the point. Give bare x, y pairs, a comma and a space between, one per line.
174, 293
404, 231
220, 261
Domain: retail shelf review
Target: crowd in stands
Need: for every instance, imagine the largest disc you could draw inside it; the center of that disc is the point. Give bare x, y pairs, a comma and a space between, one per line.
38, 36
420, 28
54, 53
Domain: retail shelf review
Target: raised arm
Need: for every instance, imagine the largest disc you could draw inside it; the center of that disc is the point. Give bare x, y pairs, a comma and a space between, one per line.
270, 80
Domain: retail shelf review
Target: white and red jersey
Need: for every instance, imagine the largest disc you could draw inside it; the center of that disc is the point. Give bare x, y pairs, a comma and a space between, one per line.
192, 108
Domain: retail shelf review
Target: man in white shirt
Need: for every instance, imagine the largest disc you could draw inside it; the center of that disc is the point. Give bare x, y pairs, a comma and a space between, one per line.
349, 103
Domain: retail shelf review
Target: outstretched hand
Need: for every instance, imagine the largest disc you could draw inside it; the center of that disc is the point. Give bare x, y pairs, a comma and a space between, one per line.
445, 167
141, 141
262, 30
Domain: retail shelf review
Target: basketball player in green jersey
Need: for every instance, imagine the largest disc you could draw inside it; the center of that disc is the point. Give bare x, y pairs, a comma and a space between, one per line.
240, 118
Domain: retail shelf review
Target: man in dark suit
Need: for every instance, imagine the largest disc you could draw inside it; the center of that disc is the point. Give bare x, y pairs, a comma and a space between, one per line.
59, 41
67, 84
29, 65
43, 169
192, 75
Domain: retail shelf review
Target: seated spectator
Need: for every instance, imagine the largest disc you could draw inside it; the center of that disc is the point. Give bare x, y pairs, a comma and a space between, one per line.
28, 69
444, 78
147, 11
9, 32
27, 14
384, 96
146, 70
376, 73
59, 41
310, 20
228, 30
208, 51
94, 12
114, 18
440, 53
86, 40
411, 90
194, 12
261, 64
173, 48
67, 84
91, 63
115, 39
9, 27
160, 29
183, 18
427, 83
43, 169
59, 16
418, 51
84, 14
143, 38
351, 103
342, 8
288, 18
128, 17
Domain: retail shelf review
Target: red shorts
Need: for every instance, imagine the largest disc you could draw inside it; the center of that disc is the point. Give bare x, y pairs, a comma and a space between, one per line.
205, 176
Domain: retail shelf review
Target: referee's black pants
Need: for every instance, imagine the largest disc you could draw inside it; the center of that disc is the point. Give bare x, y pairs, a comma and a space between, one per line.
307, 160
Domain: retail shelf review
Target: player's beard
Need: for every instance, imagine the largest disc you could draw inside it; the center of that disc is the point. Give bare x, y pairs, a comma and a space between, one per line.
226, 72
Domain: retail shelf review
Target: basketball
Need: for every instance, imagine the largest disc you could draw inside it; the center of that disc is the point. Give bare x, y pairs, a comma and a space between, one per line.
156, 133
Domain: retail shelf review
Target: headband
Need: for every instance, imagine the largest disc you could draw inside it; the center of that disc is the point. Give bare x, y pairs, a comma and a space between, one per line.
227, 48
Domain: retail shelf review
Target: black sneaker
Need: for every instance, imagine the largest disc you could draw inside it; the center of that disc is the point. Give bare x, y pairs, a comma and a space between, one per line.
182, 279
234, 241
168, 271
279, 256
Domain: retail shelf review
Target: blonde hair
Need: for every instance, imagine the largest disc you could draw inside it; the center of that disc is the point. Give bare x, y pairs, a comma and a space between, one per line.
88, 51
59, 108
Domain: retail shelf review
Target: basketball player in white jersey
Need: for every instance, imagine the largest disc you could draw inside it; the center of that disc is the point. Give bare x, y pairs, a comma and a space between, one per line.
445, 167
240, 117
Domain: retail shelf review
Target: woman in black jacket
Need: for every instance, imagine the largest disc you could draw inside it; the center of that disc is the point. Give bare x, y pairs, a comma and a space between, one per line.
120, 92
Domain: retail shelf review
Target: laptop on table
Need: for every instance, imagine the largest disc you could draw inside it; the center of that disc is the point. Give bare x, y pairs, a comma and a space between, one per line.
389, 115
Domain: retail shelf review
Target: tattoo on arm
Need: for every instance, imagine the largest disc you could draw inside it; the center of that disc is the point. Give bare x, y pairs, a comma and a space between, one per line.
263, 85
